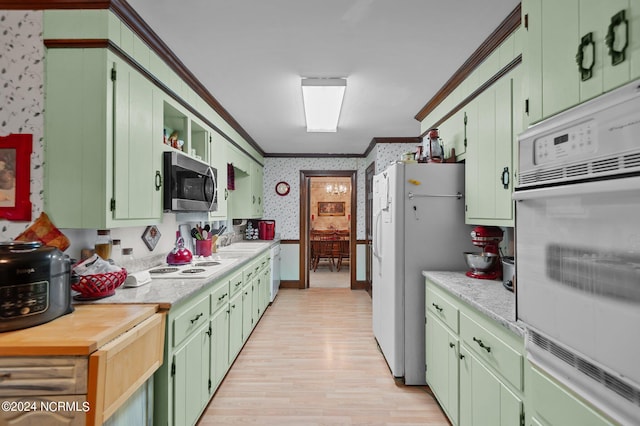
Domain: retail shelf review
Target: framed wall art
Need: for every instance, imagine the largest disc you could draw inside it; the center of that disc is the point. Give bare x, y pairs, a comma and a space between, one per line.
15, 172
331, 208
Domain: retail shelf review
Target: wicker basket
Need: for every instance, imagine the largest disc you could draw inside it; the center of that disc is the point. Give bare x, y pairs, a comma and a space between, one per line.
99, 285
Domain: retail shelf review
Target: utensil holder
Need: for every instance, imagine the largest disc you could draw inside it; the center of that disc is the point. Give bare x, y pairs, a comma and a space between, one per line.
205, 247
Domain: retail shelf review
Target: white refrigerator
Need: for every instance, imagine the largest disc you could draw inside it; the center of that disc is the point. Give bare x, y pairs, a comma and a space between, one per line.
418, 224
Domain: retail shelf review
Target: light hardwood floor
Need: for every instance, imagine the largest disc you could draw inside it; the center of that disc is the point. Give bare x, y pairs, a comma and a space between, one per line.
324, 278
312, 360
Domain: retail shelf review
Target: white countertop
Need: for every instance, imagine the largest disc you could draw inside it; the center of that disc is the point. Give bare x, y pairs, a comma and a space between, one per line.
168, 292
487, 296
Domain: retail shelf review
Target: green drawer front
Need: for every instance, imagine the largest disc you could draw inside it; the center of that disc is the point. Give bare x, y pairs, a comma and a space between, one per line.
264, 261
190, 320
235, 283
557, 406
496, 353
443, 310
220, 296
249, 272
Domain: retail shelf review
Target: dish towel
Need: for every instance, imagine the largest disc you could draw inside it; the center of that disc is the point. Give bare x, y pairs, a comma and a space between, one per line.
231, 180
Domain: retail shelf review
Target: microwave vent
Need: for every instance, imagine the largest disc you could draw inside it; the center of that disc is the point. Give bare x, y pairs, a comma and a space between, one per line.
614, 384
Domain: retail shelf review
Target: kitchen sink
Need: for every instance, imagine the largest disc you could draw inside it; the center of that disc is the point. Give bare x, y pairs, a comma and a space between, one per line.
248, 246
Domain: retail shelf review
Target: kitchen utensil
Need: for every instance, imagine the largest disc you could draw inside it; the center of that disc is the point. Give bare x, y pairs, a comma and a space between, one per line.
179, 255
508, 272
35, 284
195, 234
221, 230
207, 227
204, 247
483, 265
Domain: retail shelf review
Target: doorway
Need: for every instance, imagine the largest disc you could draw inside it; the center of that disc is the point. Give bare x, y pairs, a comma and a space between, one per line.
328, 228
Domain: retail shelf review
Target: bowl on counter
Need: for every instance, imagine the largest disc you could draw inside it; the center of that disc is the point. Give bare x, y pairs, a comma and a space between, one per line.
481, 261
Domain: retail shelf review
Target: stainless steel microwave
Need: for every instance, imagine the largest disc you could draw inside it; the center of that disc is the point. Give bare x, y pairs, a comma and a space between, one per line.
189, 184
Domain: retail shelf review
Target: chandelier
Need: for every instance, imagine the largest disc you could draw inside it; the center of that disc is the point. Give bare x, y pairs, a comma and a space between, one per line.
336, 189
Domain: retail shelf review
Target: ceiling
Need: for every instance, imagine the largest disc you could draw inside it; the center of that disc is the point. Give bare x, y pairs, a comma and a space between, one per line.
251, 54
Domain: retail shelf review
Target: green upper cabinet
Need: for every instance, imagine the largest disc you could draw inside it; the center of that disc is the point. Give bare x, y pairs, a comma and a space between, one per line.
574, 51
489, 162
103, 127
453, 133
218, 159
247, 200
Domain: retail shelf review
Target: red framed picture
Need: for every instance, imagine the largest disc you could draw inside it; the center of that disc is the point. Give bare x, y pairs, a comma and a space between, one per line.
15, 172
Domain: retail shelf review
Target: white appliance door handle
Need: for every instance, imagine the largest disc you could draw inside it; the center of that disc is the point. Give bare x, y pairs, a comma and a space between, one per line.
597, 187
376, 235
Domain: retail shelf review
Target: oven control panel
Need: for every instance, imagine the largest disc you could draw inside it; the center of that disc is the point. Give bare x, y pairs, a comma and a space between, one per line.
24, 299
572, 142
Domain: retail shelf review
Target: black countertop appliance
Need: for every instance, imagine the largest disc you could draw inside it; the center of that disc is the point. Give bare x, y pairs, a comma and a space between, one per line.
35, 284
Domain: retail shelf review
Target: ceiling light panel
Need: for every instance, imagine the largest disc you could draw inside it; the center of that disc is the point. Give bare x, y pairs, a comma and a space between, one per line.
322, 98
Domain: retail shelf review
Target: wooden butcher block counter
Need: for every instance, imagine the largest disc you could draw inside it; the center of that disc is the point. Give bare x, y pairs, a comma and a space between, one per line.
93, 360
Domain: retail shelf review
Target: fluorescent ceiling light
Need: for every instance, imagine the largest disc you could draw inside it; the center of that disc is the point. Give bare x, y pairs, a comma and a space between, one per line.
322, 98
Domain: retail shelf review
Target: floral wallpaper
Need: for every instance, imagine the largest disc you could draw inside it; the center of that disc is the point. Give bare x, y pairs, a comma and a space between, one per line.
22, 97
286, 210
389, 153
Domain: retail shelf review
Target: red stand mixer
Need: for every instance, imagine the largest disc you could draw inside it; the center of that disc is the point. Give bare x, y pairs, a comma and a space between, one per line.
485, 265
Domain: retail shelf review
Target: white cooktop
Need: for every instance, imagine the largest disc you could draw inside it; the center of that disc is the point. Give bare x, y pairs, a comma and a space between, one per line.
198, 268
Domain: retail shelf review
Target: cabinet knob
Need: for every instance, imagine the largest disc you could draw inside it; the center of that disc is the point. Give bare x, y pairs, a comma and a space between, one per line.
452, 345
461, 356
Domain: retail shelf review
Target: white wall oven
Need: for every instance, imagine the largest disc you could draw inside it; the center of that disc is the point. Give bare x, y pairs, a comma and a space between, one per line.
578, 249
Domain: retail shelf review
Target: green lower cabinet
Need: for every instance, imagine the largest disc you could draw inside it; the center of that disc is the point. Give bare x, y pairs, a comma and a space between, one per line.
235, 326
204, 335
553, 405
473, 364
484, 399
247, 310
219, 346
265, 291
256, 299
191, 378
442, 365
